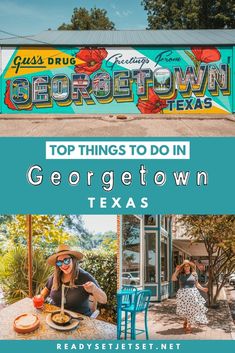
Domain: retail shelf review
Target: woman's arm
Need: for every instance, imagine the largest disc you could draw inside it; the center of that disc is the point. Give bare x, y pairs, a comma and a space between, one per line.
175, 275
204, 289
98, 294
45, 292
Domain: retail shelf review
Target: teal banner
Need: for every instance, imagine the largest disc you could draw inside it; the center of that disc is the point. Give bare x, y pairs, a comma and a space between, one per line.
117, 176
117, 346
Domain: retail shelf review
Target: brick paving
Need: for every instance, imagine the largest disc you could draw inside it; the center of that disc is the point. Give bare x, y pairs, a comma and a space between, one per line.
164, 324
230, 293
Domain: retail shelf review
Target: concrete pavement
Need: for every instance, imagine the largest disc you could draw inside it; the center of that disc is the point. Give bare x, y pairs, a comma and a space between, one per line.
230, 293
163, 323
112, 125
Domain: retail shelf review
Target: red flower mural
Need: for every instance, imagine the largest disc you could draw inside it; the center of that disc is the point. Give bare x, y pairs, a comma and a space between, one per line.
153, 105
7, 99
92, 60
206, 55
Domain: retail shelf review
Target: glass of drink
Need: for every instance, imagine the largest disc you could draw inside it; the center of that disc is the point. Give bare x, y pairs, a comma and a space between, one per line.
38, 301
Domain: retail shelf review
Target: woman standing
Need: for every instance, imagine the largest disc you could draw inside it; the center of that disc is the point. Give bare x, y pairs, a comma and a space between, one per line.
190, 303
79, 283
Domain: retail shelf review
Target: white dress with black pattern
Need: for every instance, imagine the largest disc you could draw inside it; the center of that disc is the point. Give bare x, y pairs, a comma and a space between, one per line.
190, 303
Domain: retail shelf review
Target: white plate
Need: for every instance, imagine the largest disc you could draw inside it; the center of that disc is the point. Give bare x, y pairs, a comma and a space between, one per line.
71, 326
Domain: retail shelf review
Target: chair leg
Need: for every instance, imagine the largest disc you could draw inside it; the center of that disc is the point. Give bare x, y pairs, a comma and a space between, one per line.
133, 333
146, 324
119, 323
126, 324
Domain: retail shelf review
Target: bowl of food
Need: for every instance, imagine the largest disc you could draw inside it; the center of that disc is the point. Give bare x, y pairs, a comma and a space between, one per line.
61, 319
26, 323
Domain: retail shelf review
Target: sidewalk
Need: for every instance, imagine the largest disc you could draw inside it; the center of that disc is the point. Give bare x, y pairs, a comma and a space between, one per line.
164, 324
230, 293
111, 125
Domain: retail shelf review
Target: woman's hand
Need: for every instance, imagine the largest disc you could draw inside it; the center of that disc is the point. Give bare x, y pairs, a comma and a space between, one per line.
97, 293
203, 289
176, 273
45, 292
89, 287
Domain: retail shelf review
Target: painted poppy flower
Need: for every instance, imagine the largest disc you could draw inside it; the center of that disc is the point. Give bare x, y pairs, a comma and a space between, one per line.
7, 99
206, 55
92, 60
153, 105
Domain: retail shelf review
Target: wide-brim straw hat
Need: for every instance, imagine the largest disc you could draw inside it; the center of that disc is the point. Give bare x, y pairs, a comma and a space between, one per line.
191, 264
63, 250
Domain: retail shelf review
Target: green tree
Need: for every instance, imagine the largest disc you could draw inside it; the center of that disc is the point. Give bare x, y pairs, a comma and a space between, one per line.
74, 224
218, 235
47, 232
190, 14
83, 19
4, 219
109, 241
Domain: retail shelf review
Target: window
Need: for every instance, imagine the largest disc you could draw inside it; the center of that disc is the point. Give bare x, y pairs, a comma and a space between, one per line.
150, 258
131, 248
165, 223
163, 218
164, 259
150, 220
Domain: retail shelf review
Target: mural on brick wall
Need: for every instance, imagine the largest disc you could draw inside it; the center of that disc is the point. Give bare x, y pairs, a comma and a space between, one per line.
116, 80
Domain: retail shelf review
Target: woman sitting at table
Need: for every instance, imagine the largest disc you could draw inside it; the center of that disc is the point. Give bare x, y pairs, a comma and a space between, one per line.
79, 283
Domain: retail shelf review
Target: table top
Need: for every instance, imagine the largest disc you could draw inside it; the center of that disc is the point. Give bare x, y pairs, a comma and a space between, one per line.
88, 329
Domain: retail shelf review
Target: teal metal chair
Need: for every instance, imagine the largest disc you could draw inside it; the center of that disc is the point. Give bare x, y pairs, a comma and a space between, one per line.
128, 299
125, 298
140, 304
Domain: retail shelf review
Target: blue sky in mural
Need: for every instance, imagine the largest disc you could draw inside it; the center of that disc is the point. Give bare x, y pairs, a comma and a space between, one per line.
31, 17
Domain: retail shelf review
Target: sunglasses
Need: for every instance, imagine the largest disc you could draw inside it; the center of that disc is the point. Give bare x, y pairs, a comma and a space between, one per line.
66, 261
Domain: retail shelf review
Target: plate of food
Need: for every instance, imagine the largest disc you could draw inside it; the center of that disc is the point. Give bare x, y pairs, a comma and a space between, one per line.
26, 323
49, 308
62, 321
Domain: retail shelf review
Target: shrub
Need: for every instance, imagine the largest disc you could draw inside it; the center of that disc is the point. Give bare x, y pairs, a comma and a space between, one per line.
102, 265
14, 274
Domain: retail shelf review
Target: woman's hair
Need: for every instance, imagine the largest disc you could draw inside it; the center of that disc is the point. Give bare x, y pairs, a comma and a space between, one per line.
57, 278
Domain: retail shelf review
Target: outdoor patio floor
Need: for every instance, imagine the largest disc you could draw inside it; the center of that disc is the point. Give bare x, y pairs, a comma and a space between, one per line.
164, 324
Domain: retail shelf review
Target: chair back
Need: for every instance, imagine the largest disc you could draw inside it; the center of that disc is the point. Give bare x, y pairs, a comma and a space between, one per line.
142, 299
128, 299
129, 288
